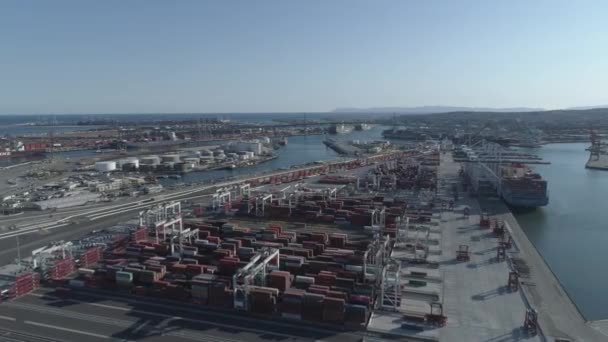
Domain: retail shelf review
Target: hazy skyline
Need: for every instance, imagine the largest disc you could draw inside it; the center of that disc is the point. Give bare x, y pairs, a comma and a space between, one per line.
299, 56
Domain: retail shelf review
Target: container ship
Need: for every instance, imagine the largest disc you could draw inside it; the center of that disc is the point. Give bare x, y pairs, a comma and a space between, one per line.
340, 129
16, 149
521, 187
20, 154
514, 182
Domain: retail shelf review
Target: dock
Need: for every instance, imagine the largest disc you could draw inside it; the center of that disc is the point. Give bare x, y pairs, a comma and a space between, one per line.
476, 300
559, 316
342, 147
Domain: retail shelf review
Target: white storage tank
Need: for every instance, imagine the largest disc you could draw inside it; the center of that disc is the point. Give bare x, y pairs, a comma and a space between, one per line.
193, 161
105, 166
266, 140
250, 155
170, 158
150, 160
133, 160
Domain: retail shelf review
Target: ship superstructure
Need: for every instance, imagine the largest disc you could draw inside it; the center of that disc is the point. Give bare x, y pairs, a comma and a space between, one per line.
340, 128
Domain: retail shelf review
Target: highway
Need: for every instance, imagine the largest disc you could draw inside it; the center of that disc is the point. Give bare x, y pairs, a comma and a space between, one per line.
41, 316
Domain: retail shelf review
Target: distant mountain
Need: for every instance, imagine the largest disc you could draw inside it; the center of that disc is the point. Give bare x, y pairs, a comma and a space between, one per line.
431, 110
587, 107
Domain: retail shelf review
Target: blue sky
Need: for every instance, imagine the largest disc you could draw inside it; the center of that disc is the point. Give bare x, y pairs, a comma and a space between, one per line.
117, 56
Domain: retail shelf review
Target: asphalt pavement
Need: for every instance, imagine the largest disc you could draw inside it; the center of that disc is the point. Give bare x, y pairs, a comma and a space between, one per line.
95, 317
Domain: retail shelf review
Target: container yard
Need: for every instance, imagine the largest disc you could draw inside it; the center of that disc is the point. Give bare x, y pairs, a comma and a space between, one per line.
384, 249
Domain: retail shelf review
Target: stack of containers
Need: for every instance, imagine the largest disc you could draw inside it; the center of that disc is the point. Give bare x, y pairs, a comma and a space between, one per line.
148, 276
25, 283
124, 279
139, 234
303, 282
338, 240
312, 306
325, 278
333, 310
177, 292
280, 280
90, 257
61, 268
263, 300
361, 219
228, 266
217, 293
291, 304
355, 315
390, 229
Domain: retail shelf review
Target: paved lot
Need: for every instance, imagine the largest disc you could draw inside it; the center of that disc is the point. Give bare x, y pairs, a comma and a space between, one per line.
92, 317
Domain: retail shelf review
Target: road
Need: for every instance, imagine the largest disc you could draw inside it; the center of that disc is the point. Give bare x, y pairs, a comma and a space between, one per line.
95, 317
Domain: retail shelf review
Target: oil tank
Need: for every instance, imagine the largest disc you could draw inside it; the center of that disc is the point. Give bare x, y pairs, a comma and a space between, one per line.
150, 160
105, 166
194, 161
133, 160
170, 158
181, 167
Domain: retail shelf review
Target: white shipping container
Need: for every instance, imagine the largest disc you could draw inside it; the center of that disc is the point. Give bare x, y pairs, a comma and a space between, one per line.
291, 316
305, 280
76, 283
86, 271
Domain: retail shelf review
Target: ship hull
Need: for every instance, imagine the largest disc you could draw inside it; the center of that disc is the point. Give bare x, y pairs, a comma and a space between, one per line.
521, 198
525, 202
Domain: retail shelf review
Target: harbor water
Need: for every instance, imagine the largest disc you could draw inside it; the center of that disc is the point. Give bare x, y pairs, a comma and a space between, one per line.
299, 150
571, 232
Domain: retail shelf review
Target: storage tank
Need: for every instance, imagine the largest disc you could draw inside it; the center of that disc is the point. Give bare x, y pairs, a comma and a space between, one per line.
182, 167
133, 160
250, 154
206, 153
170, 158
194, 161
105, 166
218, 152
167, 166
150, 160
